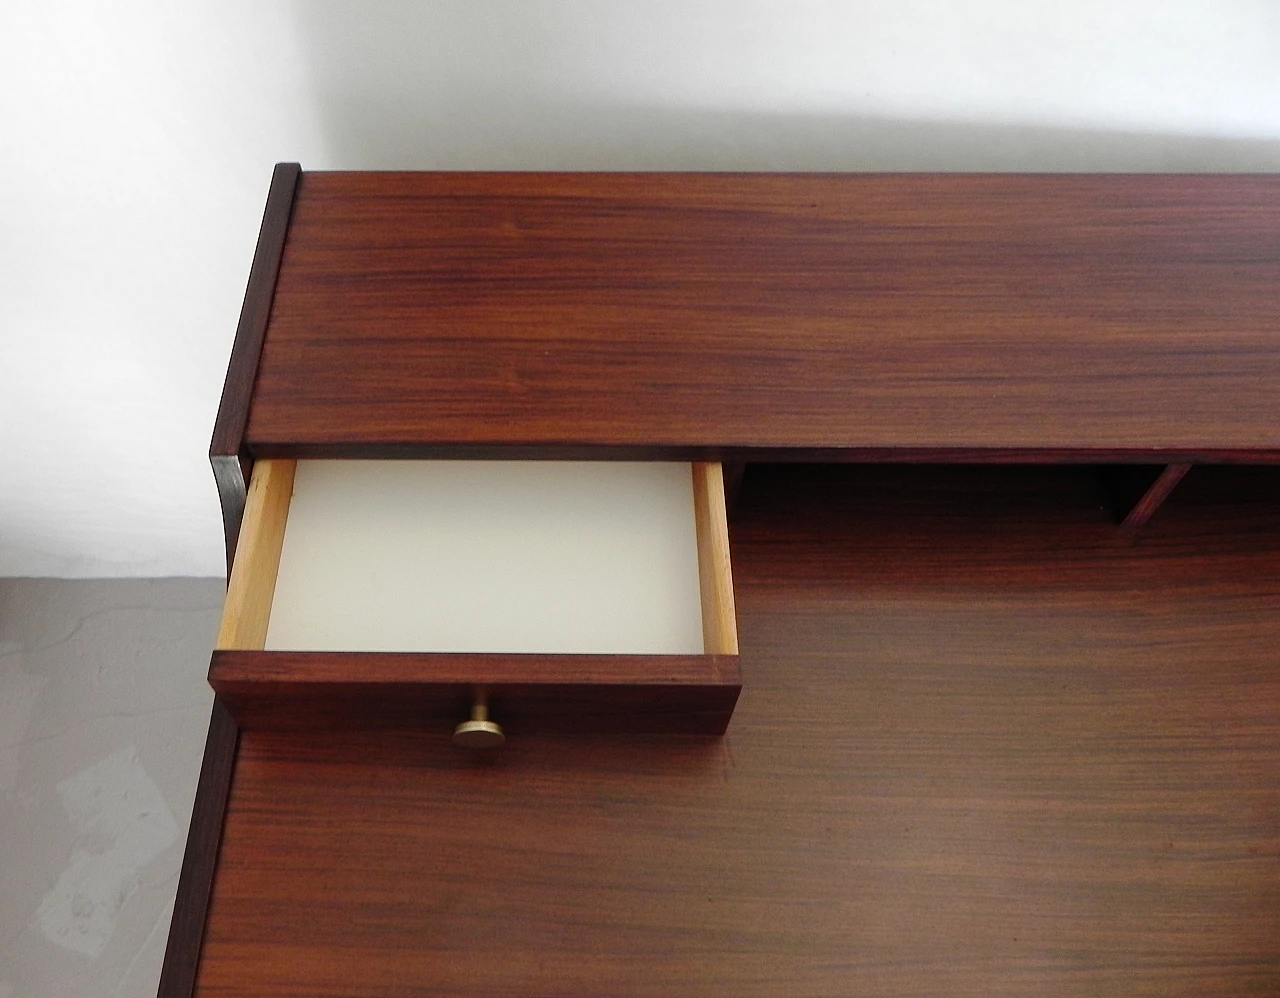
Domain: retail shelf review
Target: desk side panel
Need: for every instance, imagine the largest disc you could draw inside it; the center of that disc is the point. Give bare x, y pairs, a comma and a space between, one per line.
228, 451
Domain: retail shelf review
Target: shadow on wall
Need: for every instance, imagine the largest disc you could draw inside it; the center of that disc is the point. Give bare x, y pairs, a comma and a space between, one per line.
368, 134
553, 85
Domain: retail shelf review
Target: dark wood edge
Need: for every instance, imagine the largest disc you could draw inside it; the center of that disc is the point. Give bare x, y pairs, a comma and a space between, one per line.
200, 861
228, 451
232, 465
463, 450
1135, 493
528, 694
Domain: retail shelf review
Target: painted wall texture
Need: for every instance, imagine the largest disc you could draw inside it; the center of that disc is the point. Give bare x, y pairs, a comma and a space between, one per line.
139, 139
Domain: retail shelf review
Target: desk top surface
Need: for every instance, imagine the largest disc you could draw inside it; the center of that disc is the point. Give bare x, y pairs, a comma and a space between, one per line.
713, 315
987, 745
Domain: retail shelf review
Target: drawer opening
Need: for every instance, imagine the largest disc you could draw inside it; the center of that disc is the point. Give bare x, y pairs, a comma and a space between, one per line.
581, 597
483, 557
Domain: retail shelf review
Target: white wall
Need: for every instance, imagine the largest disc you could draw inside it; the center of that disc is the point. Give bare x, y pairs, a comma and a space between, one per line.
138, 139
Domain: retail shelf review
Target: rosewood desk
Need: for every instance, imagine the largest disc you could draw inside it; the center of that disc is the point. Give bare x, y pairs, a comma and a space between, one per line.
983, 532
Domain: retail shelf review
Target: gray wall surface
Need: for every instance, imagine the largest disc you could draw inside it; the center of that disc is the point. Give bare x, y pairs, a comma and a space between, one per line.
103, 713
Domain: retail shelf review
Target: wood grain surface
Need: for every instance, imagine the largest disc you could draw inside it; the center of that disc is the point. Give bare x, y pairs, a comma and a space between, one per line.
988, 744
527, 694
735, 317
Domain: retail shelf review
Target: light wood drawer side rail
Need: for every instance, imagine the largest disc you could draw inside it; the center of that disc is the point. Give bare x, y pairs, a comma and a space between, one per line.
715, 573
252, 587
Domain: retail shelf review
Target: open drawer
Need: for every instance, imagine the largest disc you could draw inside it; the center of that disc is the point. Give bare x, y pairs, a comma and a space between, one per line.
559, 596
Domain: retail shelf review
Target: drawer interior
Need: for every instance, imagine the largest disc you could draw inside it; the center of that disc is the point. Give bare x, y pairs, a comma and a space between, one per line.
489, 556
485, 557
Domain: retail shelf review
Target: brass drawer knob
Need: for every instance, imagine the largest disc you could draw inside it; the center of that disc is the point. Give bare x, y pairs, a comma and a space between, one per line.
479, 732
